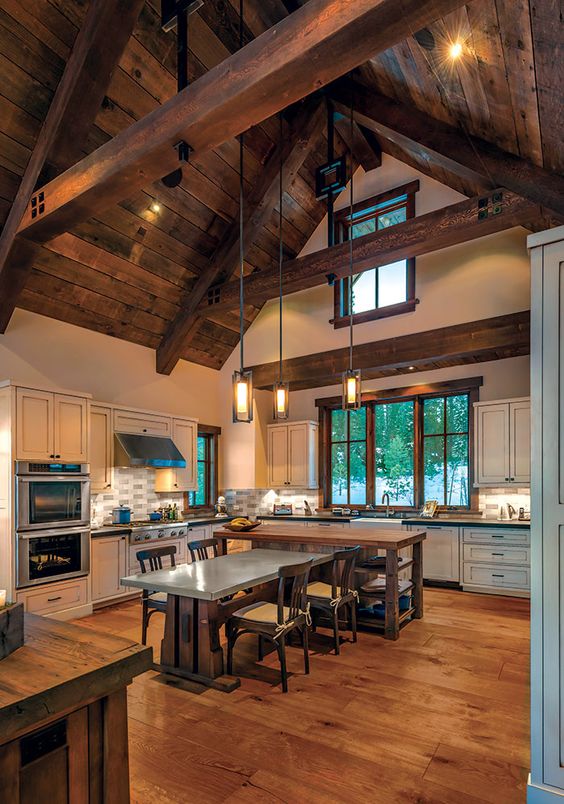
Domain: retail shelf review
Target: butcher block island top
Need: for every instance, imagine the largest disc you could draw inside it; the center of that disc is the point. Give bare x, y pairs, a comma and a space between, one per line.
63, 713
332, 535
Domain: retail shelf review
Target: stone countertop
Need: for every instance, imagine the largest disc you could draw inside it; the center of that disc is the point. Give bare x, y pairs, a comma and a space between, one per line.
115, 530
460, 521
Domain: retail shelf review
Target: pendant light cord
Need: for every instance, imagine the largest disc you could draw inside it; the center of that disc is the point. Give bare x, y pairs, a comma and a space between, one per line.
241, 226
281, 243
351, 235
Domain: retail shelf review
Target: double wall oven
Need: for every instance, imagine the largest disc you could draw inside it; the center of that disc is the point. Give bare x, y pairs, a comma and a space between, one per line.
52, 521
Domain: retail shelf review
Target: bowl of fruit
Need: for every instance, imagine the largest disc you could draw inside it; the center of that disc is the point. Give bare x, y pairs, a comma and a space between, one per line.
241, 524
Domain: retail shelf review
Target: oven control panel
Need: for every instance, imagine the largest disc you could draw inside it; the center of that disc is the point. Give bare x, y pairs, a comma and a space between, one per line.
155, 534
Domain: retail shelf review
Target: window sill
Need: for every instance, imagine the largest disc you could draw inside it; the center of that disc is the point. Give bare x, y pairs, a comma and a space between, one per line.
373, 315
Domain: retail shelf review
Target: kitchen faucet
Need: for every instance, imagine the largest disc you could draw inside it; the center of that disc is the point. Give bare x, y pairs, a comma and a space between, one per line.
386, 496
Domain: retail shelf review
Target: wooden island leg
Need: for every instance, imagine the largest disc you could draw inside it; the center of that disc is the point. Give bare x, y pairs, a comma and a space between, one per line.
417, 578
391, 623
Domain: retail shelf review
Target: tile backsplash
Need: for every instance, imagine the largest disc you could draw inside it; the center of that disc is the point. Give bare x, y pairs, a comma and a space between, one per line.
134, 487
491, 499
260, 501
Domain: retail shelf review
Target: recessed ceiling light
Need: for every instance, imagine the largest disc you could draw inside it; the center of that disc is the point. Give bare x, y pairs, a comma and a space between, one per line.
155, 207
411, 368
455, 50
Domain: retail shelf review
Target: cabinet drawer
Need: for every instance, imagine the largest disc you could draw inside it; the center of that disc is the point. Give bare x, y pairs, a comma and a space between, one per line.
496, 554
502, 576
126, 421
517, 536
54, 598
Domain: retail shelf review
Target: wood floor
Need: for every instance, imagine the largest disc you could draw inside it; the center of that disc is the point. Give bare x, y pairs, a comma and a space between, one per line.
439, 716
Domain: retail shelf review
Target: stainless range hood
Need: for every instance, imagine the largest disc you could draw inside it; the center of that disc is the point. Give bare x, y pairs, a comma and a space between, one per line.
151, 451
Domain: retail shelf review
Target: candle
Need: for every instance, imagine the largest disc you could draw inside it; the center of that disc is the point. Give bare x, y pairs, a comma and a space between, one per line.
2, 597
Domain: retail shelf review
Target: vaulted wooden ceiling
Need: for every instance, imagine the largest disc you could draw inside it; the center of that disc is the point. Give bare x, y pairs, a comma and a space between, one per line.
127, 271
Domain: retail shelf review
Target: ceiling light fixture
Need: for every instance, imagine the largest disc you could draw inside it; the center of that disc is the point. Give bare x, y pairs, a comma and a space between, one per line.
155, 207
455, 50
281, 390
242, 380
352, 380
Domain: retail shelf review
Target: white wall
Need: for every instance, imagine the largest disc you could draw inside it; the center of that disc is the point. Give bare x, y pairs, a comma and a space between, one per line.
40, 351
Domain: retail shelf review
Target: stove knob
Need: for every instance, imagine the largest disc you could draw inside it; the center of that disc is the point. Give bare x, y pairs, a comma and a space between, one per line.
173, 533
147, 536
160, 534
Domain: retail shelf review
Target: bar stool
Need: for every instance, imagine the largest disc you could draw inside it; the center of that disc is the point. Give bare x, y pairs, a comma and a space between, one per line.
330, 597
153, 601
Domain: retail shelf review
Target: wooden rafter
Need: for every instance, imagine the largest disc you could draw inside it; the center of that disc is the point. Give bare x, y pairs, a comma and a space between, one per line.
452, 225
270, 73
363, 144
98, 47
466, 155
293, 151
473, 342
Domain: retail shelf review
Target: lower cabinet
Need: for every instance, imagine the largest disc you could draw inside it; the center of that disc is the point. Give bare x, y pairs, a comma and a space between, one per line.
109, 564
63, 600
441, 553
496, 560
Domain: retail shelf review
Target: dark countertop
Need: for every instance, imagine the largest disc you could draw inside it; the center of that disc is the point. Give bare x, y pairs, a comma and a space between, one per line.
115, 530
415, 520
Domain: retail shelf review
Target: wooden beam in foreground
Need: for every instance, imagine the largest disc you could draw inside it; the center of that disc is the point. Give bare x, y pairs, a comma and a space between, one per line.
307, 50
98, 47
473, 342
450, 226
450, 147
258, 210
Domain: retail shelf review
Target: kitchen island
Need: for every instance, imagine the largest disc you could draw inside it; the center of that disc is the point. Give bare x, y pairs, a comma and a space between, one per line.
328, 538
63, 714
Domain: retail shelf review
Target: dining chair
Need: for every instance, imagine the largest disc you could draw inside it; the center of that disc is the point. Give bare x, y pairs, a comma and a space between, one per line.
274, 621
330, 598
153, 601
203, 549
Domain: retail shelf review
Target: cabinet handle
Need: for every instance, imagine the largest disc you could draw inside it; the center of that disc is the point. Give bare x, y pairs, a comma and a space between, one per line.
497, 536
498, 554
52, 599
497, 575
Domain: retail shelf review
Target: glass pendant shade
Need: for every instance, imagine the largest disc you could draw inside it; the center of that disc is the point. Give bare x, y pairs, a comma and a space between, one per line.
242, 396
351, 389
281, 398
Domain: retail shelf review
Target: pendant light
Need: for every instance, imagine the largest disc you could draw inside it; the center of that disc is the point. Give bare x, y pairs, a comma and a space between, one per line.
242, 380
351, 378
281, 389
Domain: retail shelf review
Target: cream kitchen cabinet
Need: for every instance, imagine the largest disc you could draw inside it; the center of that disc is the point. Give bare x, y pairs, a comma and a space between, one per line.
101, 449
185, 436
108, 565
496, 560
292, 455
51, 426
441, 552
502, 442
141, 423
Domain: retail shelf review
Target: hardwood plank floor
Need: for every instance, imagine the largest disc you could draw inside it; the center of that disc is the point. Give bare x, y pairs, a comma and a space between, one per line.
439, 717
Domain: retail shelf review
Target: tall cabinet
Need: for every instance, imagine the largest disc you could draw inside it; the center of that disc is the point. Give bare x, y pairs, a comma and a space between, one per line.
503, 442
292, 455
547, 517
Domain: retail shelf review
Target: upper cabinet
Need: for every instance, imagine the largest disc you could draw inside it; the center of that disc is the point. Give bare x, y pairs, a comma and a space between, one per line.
292, 455
502, 442
51, 426
184, 435
130, 421
101, 448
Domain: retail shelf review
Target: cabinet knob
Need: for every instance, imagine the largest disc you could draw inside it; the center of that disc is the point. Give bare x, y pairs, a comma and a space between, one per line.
145, 430
51, 456
506, 478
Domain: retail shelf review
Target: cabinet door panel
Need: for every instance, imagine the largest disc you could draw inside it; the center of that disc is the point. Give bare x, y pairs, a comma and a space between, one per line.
127, 421
71, 428
34, 425
492, 444
109, 564
184, 435
298, 454
278, 456
101, 449
441, 554
520, 458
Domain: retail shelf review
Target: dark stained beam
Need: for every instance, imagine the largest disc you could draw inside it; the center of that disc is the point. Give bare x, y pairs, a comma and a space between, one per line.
450, 226
470, 157
363, 144
473, 342
96, 51
305, 51
294, 149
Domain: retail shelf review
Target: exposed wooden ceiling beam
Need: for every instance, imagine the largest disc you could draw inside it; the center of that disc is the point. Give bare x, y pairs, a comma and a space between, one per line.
304, 52
293, 150
363, 144
473, 342
452, 225
461, 153
97, 49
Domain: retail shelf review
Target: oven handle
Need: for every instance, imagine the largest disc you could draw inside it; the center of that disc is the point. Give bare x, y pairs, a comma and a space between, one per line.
38, 534
52, 478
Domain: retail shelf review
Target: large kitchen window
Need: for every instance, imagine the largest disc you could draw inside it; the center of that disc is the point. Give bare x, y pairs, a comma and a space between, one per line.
414, 448
385, 289
206, 494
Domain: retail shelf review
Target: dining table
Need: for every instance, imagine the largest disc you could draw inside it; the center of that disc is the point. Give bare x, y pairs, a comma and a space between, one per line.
199, 602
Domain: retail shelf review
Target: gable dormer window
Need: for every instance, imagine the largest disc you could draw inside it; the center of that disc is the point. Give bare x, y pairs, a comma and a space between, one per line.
384, 290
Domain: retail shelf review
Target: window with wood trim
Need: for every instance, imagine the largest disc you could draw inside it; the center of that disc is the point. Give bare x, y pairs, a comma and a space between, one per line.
207, 470
385, 289
413, 446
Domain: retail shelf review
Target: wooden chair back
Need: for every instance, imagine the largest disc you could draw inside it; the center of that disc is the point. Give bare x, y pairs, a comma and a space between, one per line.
342, 583
153, 556
204, 549
299, 574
